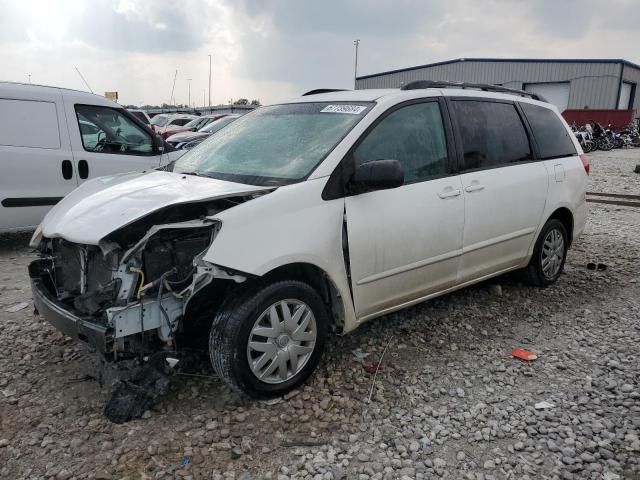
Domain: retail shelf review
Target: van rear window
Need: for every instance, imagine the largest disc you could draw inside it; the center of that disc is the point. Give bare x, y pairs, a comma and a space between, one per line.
552, 137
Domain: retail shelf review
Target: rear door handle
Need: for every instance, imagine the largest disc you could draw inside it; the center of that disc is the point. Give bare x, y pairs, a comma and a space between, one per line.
67, 169
83, 169
474, 188
449, 192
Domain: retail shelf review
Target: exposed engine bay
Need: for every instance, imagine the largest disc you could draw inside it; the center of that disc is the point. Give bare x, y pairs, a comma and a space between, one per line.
129, 296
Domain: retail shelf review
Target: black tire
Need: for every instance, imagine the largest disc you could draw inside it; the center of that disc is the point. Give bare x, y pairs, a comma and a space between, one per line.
231, 328
534, 272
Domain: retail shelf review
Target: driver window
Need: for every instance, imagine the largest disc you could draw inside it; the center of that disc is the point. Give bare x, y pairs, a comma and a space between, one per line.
106, 130
413, 135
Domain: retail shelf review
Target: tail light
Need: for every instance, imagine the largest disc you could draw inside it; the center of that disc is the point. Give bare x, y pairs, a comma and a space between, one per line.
585, 163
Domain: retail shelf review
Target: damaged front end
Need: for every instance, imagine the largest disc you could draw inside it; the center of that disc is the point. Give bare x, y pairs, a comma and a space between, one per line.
129, 296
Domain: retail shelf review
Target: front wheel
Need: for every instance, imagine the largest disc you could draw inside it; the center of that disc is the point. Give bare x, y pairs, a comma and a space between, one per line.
269, 339
549, 254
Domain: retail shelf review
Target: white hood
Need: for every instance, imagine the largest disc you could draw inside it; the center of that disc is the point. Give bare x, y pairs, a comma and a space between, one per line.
100, 206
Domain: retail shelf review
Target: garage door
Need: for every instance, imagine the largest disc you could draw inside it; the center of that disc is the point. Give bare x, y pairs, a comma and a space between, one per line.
625, 96
556, 93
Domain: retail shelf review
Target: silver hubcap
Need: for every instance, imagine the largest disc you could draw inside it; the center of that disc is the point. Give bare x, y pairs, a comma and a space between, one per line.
552, 253
281, 341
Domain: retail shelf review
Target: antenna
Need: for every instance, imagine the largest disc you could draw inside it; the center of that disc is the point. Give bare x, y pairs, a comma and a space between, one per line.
173, 88
85, 82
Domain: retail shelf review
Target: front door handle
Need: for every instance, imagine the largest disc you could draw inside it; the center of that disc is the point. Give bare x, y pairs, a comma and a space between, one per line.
449, 192
83, 169
474, 188
67, 169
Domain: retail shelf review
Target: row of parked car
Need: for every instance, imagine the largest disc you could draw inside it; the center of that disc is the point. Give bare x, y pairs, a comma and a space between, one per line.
185, 131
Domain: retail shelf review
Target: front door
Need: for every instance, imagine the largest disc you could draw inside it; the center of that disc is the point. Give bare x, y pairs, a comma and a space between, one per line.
105, 141
405, 243
505, 190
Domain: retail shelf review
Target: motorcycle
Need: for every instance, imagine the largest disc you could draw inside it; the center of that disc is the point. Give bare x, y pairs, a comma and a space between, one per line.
585, 138
602, 139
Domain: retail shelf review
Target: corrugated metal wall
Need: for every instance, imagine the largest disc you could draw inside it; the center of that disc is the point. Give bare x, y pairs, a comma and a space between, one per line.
632, 75
593, 85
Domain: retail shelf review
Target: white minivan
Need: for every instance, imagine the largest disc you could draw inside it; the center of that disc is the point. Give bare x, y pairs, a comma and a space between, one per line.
54, 139
311, 216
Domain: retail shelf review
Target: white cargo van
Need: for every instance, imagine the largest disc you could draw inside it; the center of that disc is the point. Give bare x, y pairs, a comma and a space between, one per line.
53, 139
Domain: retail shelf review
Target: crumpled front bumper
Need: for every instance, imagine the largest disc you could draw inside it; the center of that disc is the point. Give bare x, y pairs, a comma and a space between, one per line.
93, 334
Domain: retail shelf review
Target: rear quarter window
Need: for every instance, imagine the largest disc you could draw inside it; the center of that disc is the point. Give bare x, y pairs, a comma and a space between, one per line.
552, 137
26, 123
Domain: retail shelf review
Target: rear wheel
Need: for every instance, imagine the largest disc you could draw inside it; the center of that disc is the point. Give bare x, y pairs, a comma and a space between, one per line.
269, 339
549, 254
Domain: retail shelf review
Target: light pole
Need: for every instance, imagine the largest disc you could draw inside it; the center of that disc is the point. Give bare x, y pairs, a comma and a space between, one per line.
209, 80
355, 70
189, 80
29, 78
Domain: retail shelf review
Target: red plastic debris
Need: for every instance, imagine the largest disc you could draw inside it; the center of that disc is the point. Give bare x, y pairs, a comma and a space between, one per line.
523, 354
371, 367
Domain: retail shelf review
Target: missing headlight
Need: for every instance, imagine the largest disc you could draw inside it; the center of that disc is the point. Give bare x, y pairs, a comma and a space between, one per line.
174, 250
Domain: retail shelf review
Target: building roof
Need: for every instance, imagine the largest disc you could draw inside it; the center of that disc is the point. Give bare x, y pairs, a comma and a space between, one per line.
507, 60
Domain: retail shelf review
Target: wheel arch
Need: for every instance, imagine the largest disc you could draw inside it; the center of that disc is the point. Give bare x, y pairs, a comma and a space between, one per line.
320, 281
564, 215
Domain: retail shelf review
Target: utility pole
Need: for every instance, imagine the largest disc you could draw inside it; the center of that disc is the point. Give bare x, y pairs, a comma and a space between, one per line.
29, 78
209, 79
355, 70
189, 80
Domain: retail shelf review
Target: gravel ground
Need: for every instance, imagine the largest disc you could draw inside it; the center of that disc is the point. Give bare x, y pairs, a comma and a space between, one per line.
448, 400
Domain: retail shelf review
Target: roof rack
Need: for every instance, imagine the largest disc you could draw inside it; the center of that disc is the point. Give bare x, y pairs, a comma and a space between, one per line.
318, 91
420, 84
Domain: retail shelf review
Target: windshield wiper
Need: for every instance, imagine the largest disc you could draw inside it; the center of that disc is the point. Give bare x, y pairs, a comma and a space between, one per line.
195, 174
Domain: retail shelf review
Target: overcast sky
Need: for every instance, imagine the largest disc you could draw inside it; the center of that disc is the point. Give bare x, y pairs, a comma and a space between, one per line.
273, 50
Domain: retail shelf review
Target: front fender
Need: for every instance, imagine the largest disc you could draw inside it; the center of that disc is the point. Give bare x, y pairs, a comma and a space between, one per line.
290, 225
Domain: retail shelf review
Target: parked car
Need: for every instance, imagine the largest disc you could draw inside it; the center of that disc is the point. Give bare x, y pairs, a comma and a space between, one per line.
159, 120
312, 216
54, 139
195, 124
173, 123
188, 140
142, 116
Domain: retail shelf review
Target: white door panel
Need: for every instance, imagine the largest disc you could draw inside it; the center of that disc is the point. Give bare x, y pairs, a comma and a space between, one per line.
35, 157
625, 96
404, 243
503, 208
555, 93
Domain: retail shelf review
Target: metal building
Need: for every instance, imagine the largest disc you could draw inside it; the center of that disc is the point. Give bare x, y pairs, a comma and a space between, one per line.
567, 83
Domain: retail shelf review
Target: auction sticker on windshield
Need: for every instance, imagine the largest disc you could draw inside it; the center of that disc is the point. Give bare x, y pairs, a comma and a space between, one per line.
352, 109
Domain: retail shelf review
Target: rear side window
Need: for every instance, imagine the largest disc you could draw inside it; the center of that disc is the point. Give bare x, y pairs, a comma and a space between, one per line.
492, 134
26, 123
552, 137
140, 116
413, 135
181, 122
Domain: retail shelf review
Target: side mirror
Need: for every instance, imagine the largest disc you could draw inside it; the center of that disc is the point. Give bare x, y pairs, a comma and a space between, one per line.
159, 144
378, 175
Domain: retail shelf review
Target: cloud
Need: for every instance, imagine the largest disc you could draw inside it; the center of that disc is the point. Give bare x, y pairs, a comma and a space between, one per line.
274, 49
